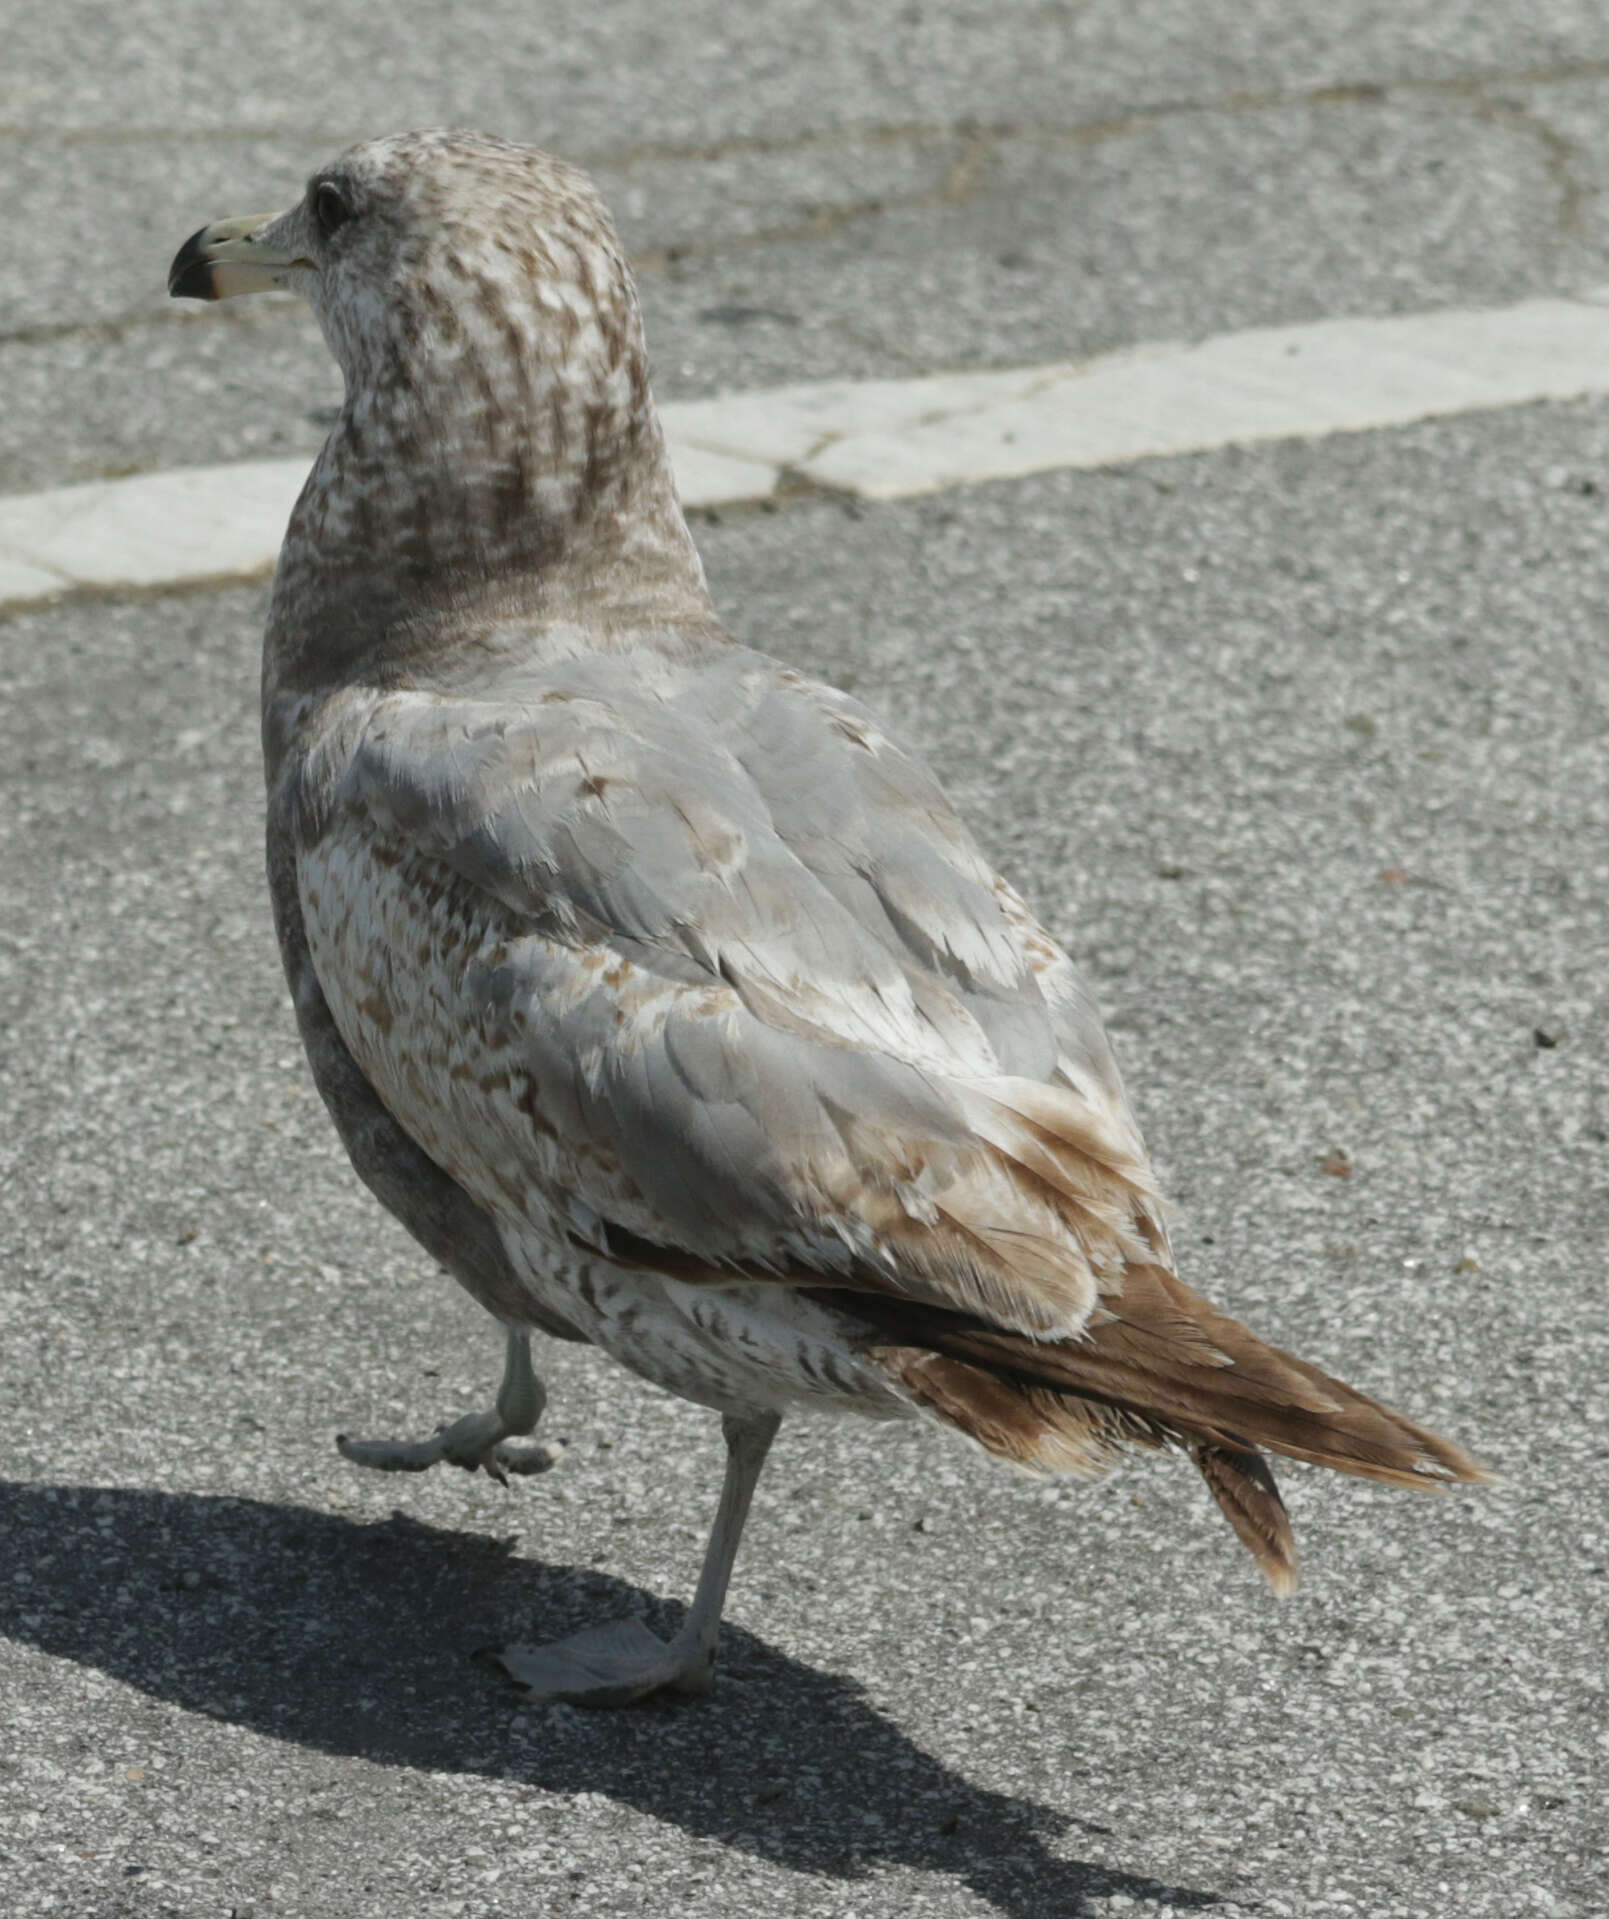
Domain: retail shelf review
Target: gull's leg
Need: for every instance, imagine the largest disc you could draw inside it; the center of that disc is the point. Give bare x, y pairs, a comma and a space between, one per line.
613, 1665
478, 1439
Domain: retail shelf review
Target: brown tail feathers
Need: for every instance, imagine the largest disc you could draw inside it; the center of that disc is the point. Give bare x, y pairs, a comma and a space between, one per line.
1157, 1365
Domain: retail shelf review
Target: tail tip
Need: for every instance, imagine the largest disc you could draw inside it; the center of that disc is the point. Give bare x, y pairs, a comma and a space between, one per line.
1282, 1575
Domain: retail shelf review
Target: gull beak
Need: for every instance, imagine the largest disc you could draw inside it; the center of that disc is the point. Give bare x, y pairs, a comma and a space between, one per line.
223, 260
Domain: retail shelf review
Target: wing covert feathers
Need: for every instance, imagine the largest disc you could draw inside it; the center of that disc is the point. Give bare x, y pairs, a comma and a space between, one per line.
1157, 1365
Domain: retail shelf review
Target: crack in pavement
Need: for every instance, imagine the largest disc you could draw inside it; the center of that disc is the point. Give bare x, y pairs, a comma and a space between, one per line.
1561, 158
961, 181
649, 153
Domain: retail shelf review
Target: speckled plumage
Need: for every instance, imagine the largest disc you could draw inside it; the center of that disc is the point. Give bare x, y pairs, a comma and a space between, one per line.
654, 987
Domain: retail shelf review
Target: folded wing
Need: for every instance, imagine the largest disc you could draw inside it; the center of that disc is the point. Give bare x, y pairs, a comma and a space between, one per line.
691, 965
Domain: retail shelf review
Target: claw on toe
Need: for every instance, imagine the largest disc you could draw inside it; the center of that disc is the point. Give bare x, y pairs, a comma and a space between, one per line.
528, 1456
521, 1457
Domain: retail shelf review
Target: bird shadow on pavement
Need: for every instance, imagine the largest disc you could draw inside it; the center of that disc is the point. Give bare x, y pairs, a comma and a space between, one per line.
357, 1639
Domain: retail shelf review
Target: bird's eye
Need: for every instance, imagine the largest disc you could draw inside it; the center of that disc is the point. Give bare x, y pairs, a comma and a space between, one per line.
330, 209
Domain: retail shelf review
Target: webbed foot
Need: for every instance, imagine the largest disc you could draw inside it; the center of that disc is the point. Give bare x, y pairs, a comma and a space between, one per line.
493, 1441
477, 1441
612, 1665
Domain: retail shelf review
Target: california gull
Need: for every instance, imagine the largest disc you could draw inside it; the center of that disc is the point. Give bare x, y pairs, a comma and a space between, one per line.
653, 986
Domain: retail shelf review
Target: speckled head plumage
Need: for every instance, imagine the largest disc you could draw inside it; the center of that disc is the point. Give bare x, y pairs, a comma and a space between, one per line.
498, 421
422, 241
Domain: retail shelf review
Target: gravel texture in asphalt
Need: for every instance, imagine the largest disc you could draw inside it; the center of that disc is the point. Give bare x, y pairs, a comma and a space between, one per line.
1298, 750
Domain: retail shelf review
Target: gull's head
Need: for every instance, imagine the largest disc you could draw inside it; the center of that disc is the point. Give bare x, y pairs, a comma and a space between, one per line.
498, 429
421, 247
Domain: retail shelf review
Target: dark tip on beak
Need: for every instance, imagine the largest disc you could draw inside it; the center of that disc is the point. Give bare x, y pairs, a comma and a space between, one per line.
190, 276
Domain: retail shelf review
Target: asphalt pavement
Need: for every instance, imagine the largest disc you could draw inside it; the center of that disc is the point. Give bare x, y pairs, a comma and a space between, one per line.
1302, 750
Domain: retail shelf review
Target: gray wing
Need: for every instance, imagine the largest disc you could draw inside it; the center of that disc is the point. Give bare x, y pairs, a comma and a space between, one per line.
874, 827
702, 958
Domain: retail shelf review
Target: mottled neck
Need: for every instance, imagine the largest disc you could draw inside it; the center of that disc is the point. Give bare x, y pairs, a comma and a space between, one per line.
481, 482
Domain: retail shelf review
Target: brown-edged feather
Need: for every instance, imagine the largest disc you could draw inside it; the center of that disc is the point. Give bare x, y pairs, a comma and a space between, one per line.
1248, 1498
1157, 1364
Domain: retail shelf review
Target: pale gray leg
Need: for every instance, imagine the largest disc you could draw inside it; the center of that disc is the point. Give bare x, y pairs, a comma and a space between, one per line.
478, 1439
613, 1665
